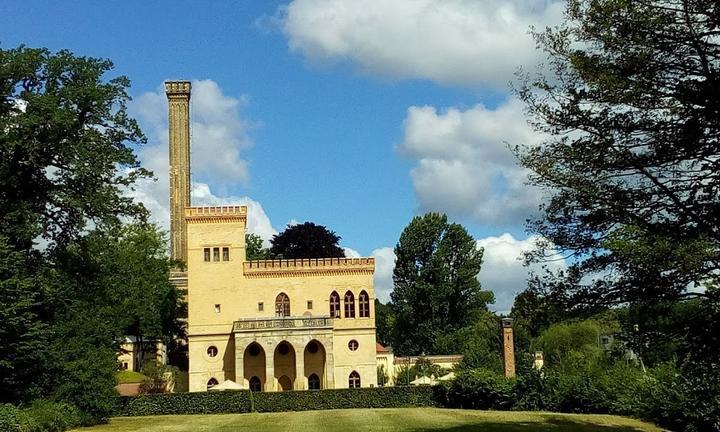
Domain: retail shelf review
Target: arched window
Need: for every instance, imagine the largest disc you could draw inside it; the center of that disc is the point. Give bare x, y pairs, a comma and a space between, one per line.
364, 304
354, 380
255, 384
212, 382
282, 305
313, 382
349, 305
334, 305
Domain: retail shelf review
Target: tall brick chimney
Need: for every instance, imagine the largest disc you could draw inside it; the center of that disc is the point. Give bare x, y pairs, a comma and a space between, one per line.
178, 94
508, 347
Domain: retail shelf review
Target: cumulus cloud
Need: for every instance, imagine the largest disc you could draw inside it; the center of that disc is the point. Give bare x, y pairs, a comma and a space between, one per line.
464, 166
503, 272
219, 135
460, 42
351, 253
384, 265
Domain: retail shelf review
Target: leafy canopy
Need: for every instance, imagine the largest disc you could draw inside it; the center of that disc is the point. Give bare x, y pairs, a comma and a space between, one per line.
306, 240
436, 290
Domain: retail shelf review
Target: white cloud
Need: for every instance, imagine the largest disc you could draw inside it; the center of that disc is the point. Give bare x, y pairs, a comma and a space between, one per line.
503, 272
384, 265
351, 253
466, 42
464, 166
219, 135
257, 221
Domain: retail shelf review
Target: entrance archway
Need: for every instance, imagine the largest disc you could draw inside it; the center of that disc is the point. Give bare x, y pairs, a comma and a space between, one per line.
254, 365
285, 383
284, 362
314, 356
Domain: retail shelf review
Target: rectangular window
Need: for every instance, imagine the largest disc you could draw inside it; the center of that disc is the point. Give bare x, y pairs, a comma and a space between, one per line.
217, 308
216, 254
206, 253
309, 304
226, 254
261, 306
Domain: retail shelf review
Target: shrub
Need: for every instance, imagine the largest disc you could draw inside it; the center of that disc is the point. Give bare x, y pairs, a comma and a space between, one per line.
45, 416
241, 401
378, 397
9, 418
481, 389
220, 402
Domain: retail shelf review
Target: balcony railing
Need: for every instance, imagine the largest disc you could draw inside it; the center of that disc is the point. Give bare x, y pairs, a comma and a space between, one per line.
254, 324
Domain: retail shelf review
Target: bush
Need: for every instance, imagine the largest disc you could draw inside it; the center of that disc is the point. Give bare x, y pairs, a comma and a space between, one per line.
241, 401
9, 420
481, 389
378, 397
41, 416
220, 402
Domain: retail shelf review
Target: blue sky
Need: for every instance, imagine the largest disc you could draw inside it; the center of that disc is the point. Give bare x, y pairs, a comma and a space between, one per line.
355, 115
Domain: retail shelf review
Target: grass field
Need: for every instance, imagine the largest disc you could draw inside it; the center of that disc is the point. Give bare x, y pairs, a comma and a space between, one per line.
378, 420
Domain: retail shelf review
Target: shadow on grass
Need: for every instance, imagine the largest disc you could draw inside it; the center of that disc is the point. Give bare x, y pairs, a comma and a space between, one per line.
550, 424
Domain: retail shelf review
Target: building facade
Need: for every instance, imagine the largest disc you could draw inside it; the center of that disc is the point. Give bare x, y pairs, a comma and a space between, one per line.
267, 325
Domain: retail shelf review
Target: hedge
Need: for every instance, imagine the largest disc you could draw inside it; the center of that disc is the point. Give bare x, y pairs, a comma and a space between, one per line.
243, 401
220, 402
41, 416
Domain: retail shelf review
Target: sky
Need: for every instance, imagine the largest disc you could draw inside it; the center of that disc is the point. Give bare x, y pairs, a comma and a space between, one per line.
357, 115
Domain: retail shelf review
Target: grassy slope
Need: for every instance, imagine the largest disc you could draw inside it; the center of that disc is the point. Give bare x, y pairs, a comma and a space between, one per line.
379, 420
127, 377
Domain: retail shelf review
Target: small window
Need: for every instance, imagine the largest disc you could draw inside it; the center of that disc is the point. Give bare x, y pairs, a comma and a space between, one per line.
254, 350
125, 365
255, 384
309, 304
312, 347
334, 305
354, 380
216, 254
212, 383
282, 305
313, 382
364, 304
353, 345
349, 305
217, 308
212, 351
206, 254
226, 254
261, 306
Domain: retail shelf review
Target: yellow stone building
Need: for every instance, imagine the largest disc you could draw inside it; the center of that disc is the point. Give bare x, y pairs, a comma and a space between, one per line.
266, 325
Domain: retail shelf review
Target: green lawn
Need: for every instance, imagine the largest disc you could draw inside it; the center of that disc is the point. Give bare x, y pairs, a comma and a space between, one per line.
378, 420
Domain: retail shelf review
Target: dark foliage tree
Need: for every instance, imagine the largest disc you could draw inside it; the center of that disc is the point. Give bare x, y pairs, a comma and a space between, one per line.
384, 322
306, 240
72, 280
254, 249
631, 114
436, 288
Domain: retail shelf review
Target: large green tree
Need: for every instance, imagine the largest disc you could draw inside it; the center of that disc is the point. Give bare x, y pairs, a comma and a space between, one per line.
436, 290
72, 279
306, 240
630, 110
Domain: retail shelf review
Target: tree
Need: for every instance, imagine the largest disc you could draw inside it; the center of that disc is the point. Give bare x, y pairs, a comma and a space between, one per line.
631, 119
384, 322
436, 290
306, 240
254, 249
66, 162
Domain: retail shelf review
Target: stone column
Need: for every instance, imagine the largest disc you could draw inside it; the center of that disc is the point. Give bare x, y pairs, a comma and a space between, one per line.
240, 361
300, 368
178, 94
270, 370
329, 363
